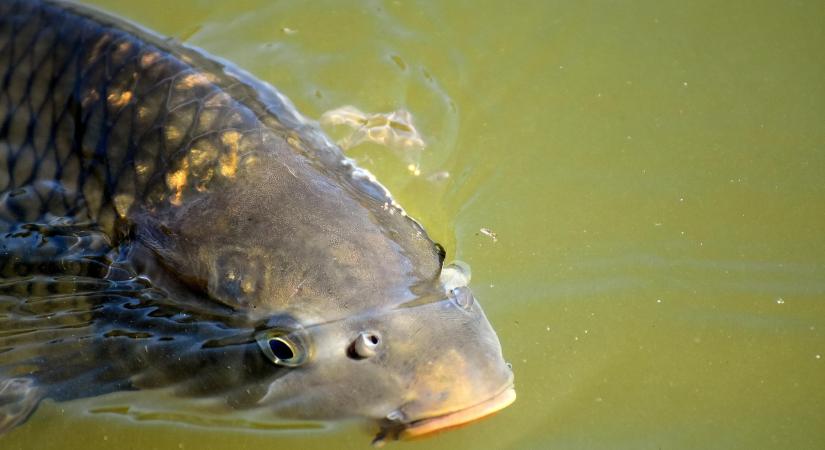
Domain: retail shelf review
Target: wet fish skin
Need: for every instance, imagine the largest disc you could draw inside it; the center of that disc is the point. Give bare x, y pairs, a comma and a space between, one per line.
91, 114
98, 124
242, 216
92, 119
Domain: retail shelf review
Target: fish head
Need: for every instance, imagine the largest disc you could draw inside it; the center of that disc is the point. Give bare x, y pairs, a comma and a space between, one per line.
420, 367
285, 236
373, 331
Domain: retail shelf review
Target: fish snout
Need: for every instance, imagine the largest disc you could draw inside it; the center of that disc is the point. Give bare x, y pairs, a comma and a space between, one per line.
465, 383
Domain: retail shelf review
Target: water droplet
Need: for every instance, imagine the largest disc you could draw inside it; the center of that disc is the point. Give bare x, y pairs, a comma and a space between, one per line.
455, 275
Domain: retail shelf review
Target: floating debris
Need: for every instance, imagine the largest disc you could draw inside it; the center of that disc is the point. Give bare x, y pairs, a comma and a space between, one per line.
394, 130
489, 233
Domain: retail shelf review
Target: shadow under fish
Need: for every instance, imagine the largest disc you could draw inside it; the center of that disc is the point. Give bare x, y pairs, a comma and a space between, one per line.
167, 221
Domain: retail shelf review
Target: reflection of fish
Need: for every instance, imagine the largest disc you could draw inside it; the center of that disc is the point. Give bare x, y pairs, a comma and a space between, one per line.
169, 222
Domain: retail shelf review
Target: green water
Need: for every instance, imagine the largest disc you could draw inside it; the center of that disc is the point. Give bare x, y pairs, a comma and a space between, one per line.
654, 172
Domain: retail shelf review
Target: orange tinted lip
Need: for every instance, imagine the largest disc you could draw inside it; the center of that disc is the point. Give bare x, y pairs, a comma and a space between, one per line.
426, 426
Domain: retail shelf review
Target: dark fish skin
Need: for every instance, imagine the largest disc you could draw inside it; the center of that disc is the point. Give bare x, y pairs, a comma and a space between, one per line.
102, 125
102, 122
164, 215
94, 118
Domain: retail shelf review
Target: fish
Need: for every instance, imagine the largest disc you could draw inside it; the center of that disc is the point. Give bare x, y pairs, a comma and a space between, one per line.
169, 223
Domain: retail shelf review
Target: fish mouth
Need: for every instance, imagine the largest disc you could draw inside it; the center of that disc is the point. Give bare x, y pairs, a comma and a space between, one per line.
461, 417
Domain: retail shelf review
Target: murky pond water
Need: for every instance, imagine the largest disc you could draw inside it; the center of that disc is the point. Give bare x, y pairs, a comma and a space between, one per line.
652, 173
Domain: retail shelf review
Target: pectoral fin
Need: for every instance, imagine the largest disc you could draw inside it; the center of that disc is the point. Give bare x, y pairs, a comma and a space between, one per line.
19, 398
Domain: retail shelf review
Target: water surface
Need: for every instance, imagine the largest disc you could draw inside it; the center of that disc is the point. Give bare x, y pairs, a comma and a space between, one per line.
653, 172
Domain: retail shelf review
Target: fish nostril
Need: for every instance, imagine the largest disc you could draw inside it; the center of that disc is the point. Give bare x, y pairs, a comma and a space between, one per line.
364, 346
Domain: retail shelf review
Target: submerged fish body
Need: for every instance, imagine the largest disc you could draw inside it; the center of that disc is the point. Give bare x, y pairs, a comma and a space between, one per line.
170, 222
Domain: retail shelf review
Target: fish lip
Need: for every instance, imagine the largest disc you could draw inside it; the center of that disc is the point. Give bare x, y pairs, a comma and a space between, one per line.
460, 417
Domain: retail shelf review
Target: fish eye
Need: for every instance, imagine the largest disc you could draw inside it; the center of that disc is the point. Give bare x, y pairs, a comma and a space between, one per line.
364, 346
282, 350
462, 297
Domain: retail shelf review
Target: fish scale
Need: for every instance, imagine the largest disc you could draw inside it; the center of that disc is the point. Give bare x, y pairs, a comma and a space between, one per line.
107, 117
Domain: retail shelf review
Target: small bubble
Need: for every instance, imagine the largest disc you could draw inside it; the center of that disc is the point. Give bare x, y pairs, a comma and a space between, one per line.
658, 300
780, 301
439, 176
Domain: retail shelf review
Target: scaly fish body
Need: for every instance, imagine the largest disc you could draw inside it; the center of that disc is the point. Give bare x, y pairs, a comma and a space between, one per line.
217, 242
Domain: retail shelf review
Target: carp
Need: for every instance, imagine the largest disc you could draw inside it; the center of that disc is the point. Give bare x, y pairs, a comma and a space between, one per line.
167, 221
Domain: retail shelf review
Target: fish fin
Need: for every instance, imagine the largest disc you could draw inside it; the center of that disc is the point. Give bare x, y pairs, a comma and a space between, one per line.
19, 398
